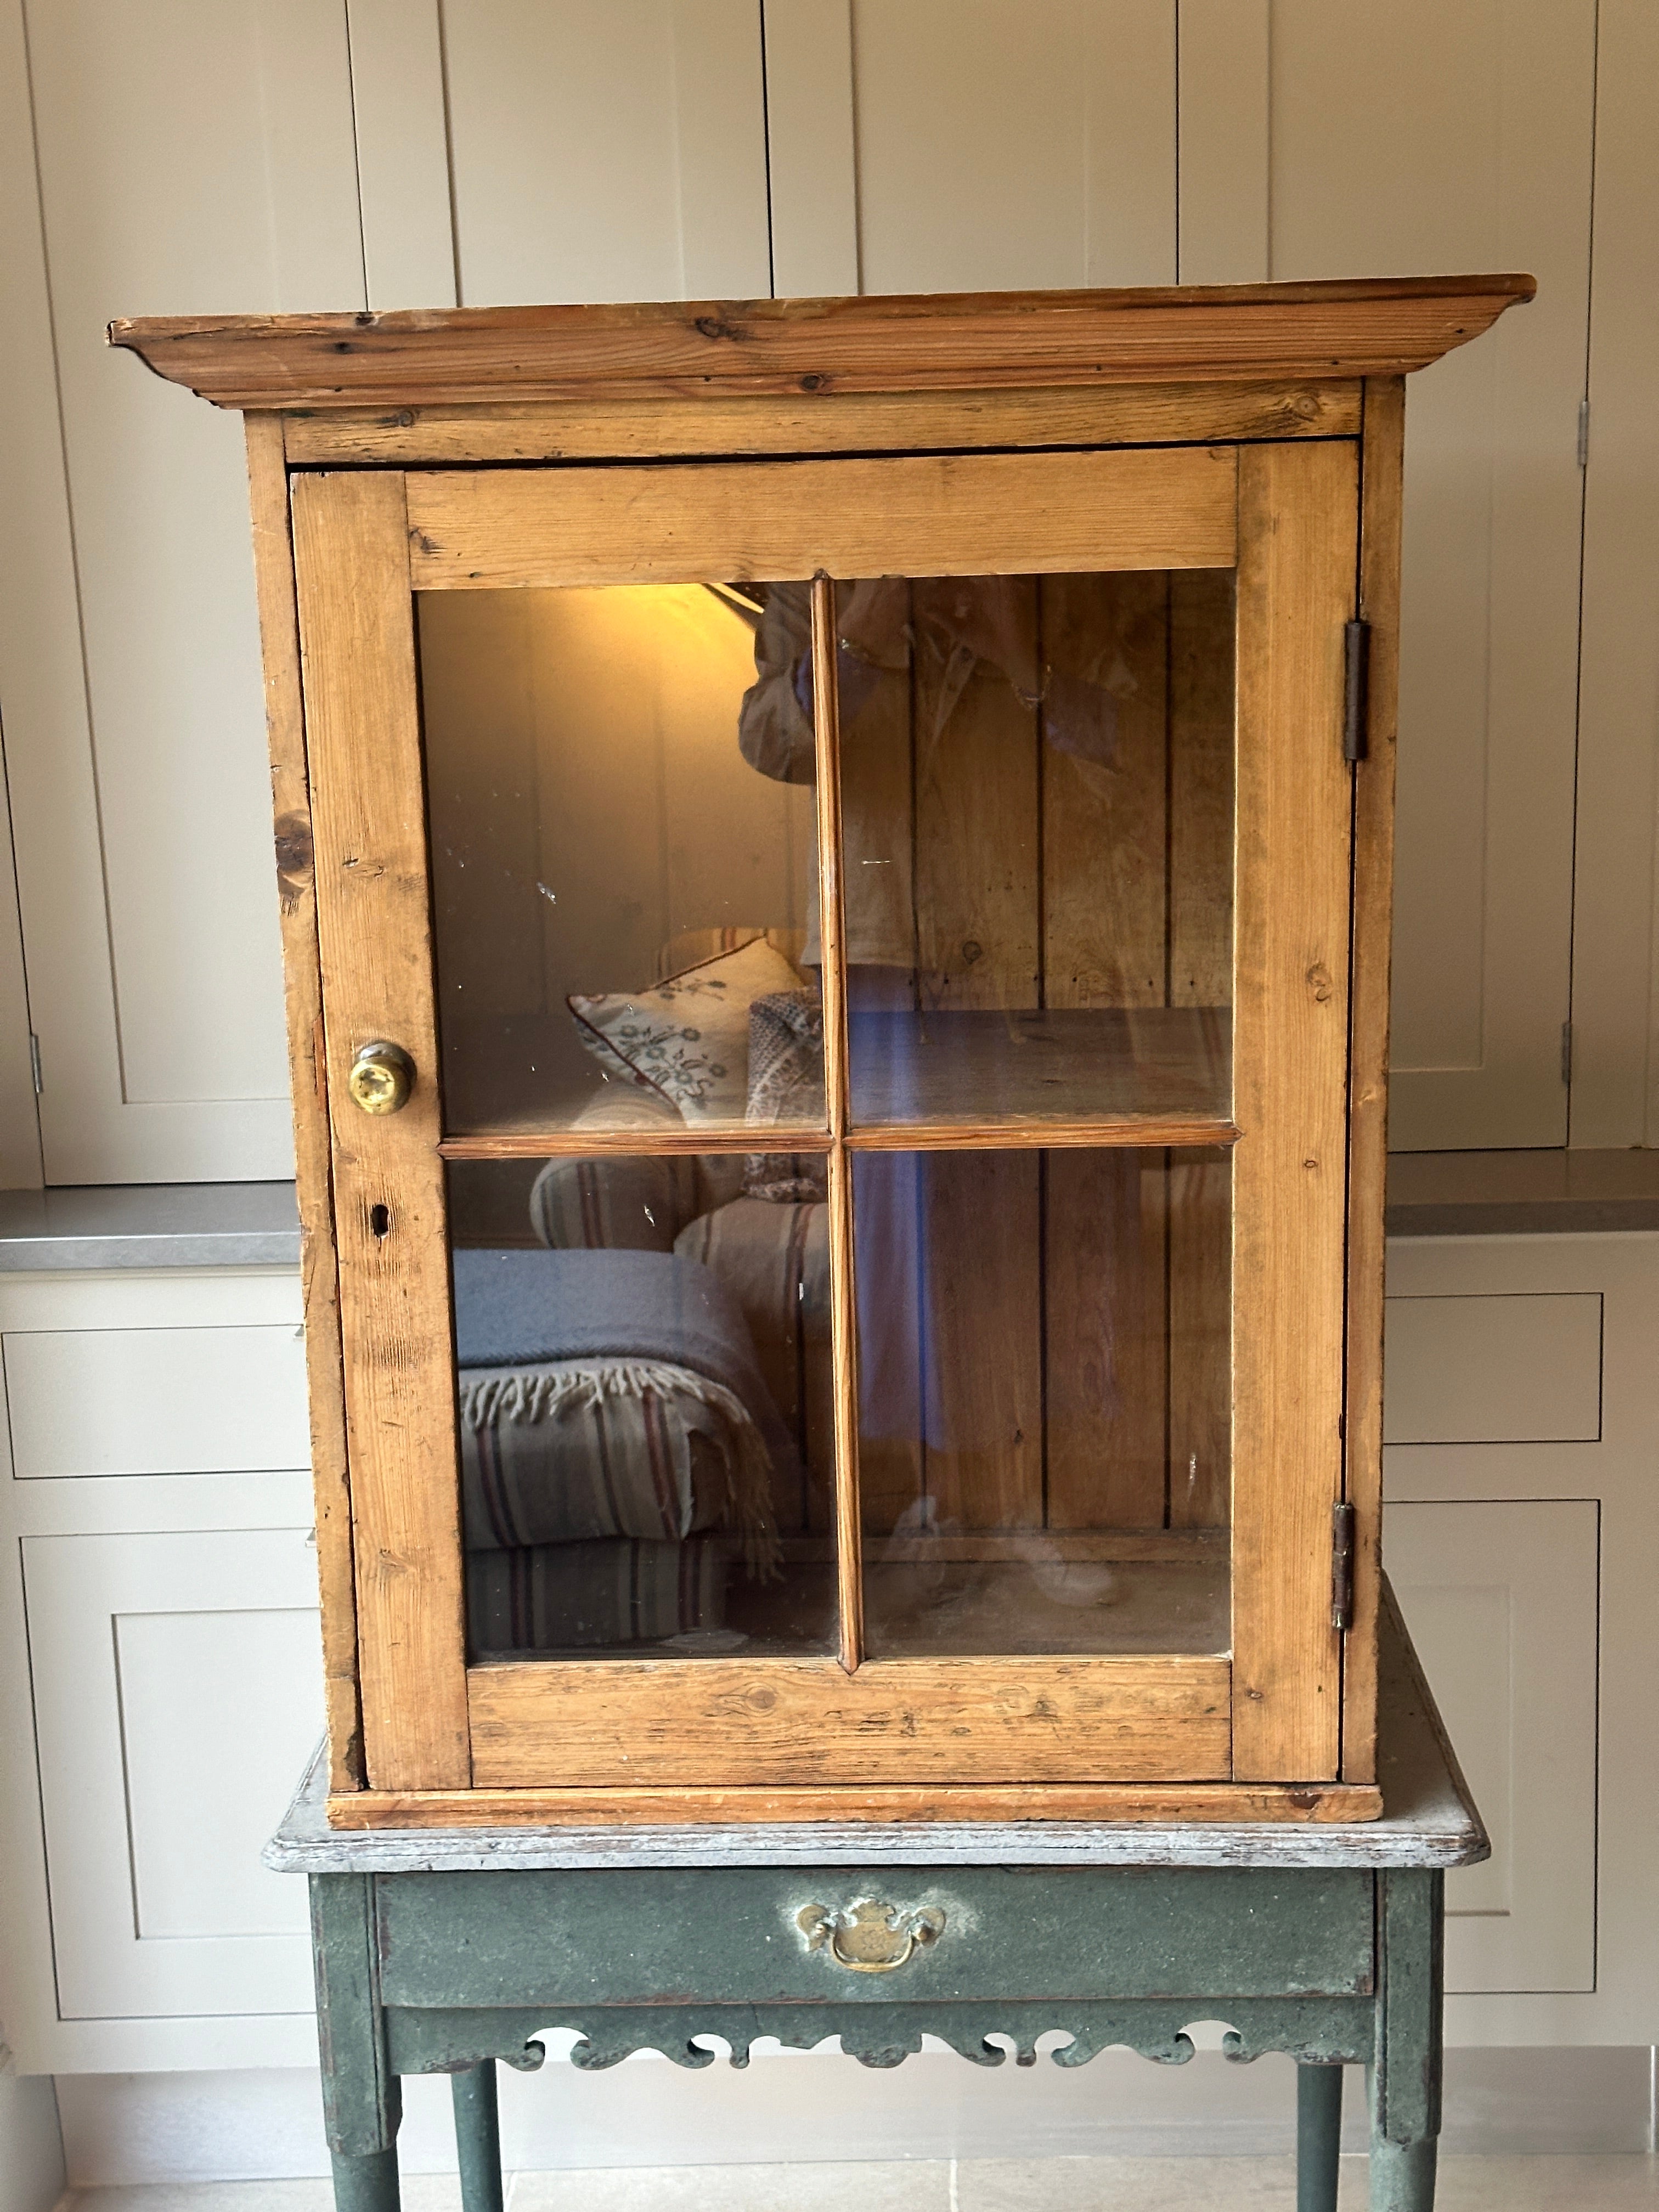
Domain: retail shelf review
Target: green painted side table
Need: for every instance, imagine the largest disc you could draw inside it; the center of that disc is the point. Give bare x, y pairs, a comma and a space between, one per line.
443, 1951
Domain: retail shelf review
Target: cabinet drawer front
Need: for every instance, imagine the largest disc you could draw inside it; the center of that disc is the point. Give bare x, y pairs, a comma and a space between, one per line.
637, 1936
157, 1400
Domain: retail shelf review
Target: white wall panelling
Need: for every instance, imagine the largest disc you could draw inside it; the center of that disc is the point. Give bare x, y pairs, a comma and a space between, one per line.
403, 152
811, 158
1501, 1601
1423, 136
607, 149
1615, 1089
1493, 1543
1226, 96
41, 691
190, 157
987, 160
20, 1165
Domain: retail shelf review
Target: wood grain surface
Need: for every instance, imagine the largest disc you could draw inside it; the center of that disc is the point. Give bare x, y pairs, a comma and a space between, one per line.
1382, 482
642, 430
965, 514
356, 633
694, 1723
1133, 1806
1298, 546
1202, 622
843, 1316
296, 884
1376, 326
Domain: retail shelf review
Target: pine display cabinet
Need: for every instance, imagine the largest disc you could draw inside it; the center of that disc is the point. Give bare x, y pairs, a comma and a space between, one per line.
835, 863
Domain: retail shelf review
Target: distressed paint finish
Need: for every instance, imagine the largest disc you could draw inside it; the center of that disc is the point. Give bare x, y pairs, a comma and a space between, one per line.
729, 1936
426, 1966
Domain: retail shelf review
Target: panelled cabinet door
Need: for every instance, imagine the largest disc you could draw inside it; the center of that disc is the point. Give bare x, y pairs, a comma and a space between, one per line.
176, 1697
835, 978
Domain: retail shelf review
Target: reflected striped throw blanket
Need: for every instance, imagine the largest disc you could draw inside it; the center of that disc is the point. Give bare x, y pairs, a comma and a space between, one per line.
610, 1395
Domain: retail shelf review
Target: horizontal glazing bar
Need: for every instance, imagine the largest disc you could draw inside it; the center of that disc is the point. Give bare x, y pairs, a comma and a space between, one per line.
648, 1142
1147, 1131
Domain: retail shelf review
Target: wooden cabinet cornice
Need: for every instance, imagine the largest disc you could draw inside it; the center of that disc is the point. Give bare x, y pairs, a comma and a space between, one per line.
944, 341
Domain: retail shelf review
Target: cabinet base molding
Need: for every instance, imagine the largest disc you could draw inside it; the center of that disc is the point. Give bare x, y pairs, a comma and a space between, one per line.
1128, 1803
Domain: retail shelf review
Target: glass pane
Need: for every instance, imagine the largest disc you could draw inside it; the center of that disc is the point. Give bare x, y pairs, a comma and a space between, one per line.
623, 855
1044, 1399
644, 1389
1037, 794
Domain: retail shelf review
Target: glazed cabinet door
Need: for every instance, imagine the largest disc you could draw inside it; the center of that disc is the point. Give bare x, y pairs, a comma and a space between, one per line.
835, 981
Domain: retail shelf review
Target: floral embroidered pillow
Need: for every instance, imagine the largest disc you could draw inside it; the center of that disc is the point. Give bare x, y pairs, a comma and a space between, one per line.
688, 1038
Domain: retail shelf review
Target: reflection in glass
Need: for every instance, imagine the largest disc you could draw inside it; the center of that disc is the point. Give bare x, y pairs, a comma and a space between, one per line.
624, 890
1037, 798
642, 1348
1044, 1399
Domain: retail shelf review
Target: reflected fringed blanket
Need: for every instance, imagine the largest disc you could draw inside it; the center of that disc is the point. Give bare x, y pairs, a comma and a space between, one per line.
610, 1395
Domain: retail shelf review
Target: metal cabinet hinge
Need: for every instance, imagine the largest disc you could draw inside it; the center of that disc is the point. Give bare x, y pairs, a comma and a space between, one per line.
1355, 670
1584, 433
1566, 1053
35, 1063
1342, 1539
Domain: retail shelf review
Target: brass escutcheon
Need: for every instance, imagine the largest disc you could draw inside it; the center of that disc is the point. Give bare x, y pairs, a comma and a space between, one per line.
382, 1076
869, 1938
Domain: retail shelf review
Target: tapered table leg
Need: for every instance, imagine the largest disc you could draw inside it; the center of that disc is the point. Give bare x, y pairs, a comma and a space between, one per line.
362, 2100
1318, 2136
1402, 2175
477, 2137
366, 2181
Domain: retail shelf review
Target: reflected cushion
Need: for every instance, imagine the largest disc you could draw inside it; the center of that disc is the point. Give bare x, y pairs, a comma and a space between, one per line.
688, 1038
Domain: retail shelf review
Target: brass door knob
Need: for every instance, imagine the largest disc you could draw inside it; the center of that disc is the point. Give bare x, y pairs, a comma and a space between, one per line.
382, 1076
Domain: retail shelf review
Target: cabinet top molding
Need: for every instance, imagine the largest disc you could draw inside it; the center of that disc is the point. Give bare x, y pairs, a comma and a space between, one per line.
940, 342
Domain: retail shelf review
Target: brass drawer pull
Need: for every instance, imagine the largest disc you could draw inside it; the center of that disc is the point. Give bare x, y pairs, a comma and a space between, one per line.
381, 1078
869, 1937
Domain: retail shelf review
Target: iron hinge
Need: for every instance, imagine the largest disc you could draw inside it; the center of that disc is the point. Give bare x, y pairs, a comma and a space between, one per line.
1567, 1053
1584, 433
1342, 1535
35, 1063
1355, 670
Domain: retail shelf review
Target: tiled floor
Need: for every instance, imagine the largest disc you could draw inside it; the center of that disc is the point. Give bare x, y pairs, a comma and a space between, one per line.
1058, 2185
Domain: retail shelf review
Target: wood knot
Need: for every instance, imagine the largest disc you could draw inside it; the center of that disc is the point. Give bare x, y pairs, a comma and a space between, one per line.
814, 382
294, 859
1319, 981
711, 326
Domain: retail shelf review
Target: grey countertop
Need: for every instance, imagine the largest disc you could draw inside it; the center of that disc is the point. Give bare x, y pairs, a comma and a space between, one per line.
1524, 1194
179, 1224
254, 1225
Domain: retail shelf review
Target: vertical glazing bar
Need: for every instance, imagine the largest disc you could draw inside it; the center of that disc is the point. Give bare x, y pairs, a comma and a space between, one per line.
843, 1320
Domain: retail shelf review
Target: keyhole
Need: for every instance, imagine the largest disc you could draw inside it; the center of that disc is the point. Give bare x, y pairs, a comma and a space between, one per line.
380, 1222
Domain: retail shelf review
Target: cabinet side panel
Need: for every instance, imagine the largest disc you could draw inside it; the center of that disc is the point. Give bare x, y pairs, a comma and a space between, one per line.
374, 913
1381, 484
1298, 532
290, 792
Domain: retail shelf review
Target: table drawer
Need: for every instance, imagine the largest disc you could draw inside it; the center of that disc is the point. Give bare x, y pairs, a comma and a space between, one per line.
735, 1935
